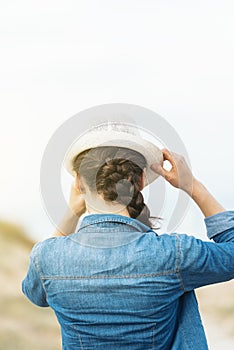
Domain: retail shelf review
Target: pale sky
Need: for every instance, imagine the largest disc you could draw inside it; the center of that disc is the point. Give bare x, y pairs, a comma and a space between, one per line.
60, 57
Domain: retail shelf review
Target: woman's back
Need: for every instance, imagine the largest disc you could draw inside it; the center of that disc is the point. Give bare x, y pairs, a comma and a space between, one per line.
112, 284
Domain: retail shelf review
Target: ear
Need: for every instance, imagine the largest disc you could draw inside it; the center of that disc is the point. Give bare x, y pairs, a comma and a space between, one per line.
143, 179
78, 183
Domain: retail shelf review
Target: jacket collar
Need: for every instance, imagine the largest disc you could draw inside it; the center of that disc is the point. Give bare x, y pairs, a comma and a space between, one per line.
109, 220
109, 230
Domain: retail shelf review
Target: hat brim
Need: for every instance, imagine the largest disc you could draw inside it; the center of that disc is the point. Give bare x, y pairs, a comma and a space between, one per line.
150, 151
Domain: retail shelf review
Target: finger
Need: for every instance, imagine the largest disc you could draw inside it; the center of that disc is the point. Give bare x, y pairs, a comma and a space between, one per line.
167, 155
158, 169
172, 158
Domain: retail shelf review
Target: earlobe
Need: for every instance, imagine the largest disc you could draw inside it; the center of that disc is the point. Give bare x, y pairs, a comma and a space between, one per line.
143, 179
78, 183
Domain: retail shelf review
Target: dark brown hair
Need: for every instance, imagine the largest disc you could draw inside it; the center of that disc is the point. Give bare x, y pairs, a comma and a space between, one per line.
116, 173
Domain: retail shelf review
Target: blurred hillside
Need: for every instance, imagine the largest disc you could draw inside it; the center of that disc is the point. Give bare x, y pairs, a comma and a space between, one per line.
216, 304
24, 326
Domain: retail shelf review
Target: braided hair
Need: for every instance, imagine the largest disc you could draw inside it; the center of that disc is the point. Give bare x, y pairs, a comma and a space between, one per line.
116, 174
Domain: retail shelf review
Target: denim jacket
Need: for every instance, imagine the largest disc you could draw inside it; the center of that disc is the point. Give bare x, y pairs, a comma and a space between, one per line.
116, 284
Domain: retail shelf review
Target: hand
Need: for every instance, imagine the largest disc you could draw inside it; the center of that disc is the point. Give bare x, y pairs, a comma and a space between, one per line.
76, 200
180, 175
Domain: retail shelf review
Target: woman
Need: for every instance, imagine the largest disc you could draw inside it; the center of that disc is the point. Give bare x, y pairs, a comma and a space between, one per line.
114, 282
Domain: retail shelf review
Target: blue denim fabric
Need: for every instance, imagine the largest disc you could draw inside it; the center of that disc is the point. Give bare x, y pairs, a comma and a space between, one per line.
117, 284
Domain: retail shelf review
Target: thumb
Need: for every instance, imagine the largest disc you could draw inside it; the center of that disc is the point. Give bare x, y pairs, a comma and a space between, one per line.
158, 169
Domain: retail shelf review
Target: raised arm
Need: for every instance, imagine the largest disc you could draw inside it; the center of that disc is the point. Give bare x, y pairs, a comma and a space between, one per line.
201, 262
76, 209
180, 176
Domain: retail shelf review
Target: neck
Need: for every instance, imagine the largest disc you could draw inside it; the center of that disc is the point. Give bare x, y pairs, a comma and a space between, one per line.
97, 205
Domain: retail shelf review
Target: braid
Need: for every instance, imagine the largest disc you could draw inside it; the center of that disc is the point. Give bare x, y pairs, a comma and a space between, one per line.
116, 173
138, 209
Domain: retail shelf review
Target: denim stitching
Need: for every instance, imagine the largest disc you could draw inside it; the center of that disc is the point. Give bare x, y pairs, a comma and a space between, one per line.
179, 262
118, 220
110, 276
36, 261
39, 271
80, 340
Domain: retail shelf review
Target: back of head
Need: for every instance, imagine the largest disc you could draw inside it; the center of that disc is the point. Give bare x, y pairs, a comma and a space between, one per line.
115, 173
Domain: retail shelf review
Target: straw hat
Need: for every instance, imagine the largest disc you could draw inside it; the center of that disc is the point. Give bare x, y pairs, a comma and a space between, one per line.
116, 134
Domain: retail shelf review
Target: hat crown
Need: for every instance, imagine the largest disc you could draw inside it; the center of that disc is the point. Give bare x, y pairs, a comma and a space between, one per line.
116, 127
116, 134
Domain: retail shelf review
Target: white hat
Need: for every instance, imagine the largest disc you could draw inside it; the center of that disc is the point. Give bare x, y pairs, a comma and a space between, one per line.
117, 134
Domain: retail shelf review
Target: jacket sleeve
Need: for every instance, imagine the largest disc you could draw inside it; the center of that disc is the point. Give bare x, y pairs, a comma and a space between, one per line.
32, 285
202, 263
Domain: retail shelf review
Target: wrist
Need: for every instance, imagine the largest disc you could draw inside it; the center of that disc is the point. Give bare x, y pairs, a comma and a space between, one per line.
205, 201
197, 189
191, 187
68, 224
73, 214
